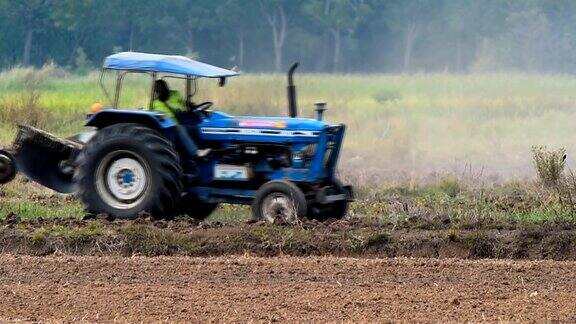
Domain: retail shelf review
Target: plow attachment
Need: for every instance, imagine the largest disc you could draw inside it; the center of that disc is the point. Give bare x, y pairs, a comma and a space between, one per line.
41, 157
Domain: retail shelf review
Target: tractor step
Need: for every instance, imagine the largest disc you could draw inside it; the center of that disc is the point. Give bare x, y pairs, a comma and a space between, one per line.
326, 196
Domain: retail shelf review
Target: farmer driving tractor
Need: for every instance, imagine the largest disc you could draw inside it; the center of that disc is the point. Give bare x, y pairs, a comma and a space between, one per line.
168, 102
172, 104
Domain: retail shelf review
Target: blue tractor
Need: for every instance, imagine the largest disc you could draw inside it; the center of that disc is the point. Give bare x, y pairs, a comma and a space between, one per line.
131, 160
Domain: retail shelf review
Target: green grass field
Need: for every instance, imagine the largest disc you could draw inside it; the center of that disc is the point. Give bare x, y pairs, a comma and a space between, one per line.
404, 131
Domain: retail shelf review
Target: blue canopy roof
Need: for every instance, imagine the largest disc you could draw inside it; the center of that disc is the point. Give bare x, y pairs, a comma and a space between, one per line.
164, 63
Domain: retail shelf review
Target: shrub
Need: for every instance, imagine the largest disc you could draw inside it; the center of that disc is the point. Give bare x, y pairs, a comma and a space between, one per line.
549, 164
83, 64
23, 107
387, 95
450, 186
27, 78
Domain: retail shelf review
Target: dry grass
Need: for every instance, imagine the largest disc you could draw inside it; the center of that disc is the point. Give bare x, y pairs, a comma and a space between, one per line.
403, 130
23, 108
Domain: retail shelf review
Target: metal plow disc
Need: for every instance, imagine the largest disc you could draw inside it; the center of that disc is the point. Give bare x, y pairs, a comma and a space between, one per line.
46, 159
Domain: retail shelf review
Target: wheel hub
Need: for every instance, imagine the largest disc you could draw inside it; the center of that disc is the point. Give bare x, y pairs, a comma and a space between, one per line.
122, 179
126, 179
279, 206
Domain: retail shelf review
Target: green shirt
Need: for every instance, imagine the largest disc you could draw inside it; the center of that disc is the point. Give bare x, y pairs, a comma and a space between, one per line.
174, 104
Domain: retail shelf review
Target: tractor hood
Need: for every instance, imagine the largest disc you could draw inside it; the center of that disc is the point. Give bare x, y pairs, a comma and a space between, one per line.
219, 119
259, 128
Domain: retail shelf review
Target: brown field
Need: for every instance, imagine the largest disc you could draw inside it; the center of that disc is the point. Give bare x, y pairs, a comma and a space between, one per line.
443, 168
292, 289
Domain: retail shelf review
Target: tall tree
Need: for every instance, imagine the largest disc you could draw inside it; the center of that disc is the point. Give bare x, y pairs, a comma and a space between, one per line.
338, 17
365, 35
462, 28
129, 18
277, 13
562, 24
6, 20
80, 18
411, 18
182, 20
32, 15
236, 16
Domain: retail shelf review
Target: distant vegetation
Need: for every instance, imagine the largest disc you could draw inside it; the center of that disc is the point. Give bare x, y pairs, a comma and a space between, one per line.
325, 35
401, 129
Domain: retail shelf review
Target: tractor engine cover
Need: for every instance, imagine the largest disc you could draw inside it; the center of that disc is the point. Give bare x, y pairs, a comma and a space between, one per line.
46, 159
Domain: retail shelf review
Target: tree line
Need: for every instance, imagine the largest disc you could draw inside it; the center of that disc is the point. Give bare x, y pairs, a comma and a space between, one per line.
324, 35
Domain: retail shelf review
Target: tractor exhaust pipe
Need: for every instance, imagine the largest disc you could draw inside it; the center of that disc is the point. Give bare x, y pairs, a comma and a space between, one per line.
292, 104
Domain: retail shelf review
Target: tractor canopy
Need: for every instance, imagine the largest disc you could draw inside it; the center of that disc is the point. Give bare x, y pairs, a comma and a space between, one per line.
175, 64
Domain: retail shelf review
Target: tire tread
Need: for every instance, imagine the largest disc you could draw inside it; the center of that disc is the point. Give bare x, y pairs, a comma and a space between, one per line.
163, 202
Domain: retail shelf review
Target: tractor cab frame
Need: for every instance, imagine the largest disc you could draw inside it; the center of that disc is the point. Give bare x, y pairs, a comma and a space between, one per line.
158, 71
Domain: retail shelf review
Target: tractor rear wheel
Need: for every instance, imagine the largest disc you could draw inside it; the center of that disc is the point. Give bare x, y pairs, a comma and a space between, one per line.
279, 201
126, 169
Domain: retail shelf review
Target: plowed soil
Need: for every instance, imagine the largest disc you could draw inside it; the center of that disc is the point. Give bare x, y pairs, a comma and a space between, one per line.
295, 289
354, 237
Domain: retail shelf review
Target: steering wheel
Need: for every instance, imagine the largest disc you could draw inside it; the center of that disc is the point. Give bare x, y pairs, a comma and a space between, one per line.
203, 106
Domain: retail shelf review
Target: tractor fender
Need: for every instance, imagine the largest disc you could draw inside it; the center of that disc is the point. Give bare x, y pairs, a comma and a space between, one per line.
151, 119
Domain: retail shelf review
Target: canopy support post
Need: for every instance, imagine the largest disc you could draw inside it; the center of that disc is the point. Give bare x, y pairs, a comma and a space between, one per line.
151, 103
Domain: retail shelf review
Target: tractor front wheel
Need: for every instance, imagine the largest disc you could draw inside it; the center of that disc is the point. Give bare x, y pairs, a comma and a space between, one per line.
279, 201
126, 169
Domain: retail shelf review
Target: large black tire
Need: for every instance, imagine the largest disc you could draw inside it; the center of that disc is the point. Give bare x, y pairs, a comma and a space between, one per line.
7, 167
121, 157
279, 201
193, 207
336, 210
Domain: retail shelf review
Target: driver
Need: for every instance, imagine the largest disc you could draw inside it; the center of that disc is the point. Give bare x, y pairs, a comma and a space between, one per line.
171, 103
168, 102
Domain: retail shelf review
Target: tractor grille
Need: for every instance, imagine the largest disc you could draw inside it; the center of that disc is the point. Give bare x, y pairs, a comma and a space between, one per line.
335, 136
328, 153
